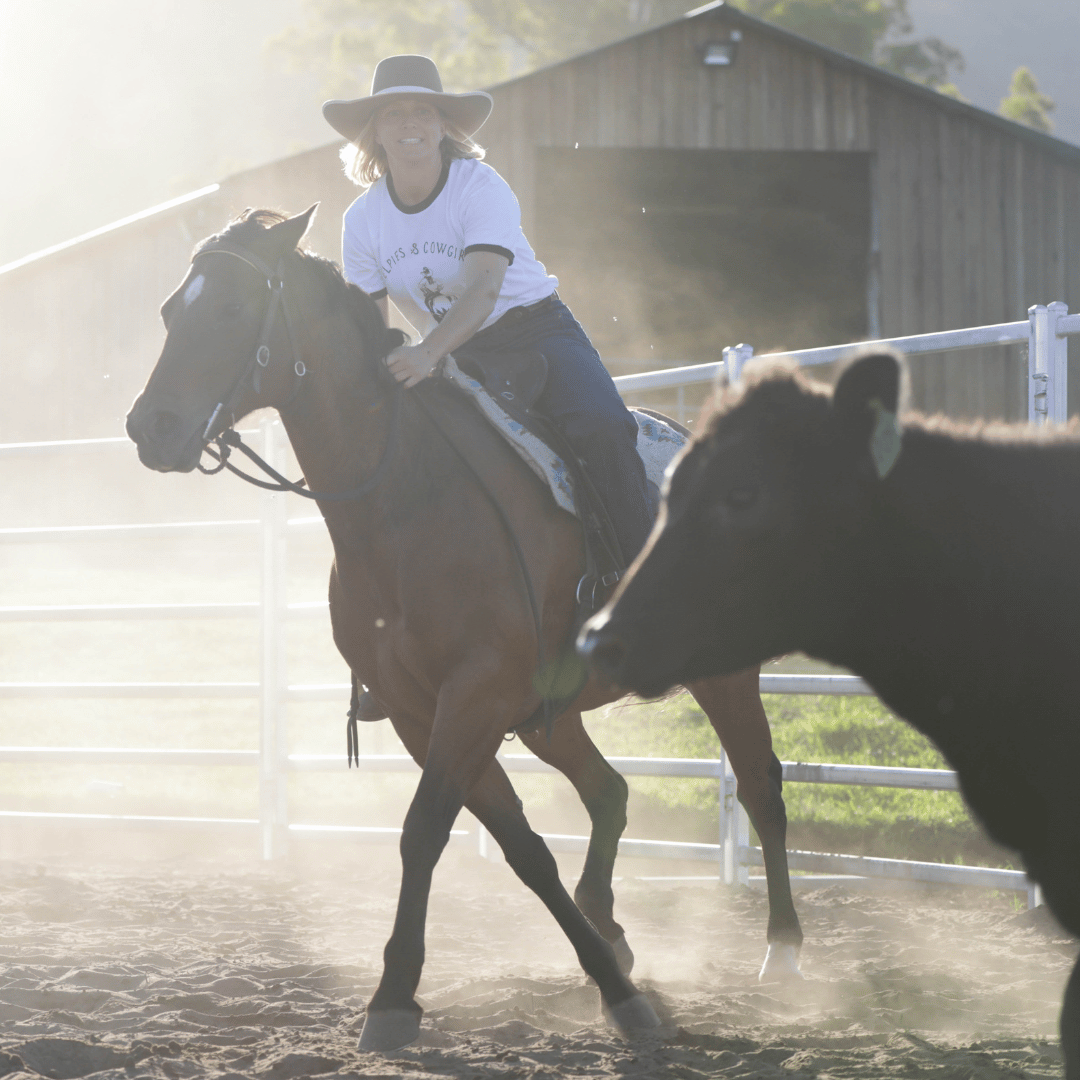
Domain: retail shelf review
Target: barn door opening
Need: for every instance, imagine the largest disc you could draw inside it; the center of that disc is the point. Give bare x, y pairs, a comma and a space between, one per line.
668, 255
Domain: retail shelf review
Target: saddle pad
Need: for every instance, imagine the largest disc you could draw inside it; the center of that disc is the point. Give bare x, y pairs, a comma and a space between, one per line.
657, 442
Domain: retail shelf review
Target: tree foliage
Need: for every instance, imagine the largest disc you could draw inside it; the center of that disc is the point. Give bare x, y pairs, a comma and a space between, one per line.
876, 31
474, 42
478, 42
1026, 103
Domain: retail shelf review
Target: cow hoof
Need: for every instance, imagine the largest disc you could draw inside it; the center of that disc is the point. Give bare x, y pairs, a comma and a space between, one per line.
634, 1015
389, 1029
624, 955
781, 964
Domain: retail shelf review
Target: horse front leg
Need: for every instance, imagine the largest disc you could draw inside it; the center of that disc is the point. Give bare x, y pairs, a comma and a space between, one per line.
603, 792
496, 806
733, 705
452, 762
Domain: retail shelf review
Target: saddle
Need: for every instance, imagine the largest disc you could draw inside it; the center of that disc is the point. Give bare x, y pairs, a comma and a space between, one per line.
505, 388
504, 391
515, 382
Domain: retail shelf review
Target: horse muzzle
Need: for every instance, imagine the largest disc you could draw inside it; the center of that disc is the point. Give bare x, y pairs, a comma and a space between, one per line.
165, 440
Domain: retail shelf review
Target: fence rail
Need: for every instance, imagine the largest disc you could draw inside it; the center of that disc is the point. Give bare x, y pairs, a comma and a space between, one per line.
1045, 332
733, 850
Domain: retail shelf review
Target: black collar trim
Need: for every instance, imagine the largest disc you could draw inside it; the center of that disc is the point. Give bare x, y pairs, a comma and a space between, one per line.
436, 191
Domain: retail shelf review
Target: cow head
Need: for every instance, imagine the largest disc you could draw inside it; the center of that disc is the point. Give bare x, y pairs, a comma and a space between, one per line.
762, 515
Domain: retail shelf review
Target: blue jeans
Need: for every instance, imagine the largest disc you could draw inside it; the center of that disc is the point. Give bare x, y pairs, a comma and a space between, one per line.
580, 399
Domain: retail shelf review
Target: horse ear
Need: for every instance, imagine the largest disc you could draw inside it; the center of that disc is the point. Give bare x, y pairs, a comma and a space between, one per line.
866, 402
291, 231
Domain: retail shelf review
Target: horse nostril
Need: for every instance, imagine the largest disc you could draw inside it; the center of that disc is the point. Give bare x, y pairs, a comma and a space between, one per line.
603, 650
164, 424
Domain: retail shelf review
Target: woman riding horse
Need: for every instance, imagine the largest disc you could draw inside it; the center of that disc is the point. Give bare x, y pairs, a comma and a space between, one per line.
438, 232
437, 525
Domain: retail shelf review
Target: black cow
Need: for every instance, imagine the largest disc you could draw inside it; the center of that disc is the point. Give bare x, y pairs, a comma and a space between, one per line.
941, 564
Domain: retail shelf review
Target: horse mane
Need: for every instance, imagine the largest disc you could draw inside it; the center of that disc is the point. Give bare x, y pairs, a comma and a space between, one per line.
249, 230
431, 463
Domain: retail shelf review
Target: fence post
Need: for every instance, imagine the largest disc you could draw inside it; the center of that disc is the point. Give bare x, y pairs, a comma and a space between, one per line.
1038, 377
726, 874
733, 825
1059, 361
742, 841
1042, 338
735, 357
273, 752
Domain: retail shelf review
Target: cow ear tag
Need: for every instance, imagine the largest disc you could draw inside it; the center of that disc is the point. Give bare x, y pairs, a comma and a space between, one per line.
885, 439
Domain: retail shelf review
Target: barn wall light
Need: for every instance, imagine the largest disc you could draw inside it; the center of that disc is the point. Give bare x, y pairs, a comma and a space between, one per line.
721, 53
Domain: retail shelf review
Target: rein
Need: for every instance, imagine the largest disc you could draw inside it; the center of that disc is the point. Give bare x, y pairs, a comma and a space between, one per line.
230, 439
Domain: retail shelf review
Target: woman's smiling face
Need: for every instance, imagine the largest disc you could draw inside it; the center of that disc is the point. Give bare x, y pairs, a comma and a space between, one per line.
410, 129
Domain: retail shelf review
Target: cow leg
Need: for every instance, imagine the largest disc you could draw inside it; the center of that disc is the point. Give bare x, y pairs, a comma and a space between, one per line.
733, 705
495, 804
603, 792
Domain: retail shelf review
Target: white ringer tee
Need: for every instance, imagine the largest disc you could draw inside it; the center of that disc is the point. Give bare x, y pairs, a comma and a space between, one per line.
415, 254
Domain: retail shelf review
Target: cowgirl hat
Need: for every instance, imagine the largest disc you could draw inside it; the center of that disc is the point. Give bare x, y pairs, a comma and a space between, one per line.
413, 76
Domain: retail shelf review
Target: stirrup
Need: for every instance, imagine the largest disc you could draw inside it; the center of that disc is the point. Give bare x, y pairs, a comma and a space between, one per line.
364, 707
369, 708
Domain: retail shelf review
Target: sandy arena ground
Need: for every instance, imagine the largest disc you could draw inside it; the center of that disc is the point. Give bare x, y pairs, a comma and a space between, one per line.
177, 969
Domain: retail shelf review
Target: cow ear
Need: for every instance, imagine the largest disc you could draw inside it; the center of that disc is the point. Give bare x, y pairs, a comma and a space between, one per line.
866, 402
290, 232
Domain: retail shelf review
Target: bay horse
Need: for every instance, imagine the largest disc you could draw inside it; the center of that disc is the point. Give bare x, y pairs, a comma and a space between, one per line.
427, 595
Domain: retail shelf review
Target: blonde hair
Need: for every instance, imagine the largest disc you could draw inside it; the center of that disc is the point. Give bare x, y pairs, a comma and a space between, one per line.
365, 160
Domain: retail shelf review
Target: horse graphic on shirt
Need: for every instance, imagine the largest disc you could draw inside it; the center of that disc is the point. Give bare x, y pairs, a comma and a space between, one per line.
436, 301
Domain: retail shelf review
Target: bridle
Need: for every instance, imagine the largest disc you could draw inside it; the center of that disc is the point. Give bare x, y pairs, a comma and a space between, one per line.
230, 439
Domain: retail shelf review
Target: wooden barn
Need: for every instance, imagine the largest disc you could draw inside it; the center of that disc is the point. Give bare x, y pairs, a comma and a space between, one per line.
710, 181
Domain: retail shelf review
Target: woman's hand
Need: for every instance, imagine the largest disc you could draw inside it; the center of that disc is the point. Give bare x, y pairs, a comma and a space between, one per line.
411, 364
484, 272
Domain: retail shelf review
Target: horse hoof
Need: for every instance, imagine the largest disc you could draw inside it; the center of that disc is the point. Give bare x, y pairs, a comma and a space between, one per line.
634, 1015
624, 955
389, 1029
781, 964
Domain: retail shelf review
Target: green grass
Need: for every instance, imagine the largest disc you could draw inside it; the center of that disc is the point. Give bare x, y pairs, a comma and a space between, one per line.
934, 826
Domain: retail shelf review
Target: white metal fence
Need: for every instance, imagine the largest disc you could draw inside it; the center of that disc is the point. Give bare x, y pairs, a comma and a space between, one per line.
1045, 331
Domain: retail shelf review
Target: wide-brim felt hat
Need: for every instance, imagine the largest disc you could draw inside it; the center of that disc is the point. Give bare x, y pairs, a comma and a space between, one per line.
408, 76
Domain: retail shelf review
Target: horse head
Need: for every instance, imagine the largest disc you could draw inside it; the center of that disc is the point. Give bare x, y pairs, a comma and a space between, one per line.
228, 349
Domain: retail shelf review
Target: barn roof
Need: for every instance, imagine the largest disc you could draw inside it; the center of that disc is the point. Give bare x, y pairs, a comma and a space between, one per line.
1061, 149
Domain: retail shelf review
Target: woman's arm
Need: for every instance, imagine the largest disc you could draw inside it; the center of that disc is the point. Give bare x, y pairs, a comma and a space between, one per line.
484, 273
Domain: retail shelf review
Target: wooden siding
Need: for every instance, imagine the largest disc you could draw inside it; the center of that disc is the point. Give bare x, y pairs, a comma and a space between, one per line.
975, 224
976, 221
80, 328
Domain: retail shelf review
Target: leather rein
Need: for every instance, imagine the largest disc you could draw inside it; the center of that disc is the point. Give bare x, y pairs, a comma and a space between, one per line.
230, 439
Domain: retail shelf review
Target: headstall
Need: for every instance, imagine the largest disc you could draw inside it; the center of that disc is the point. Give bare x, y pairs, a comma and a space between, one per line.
230, 439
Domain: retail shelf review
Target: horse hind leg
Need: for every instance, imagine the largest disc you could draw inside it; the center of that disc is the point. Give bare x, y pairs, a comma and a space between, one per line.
495, 805
733, 705
603, 792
